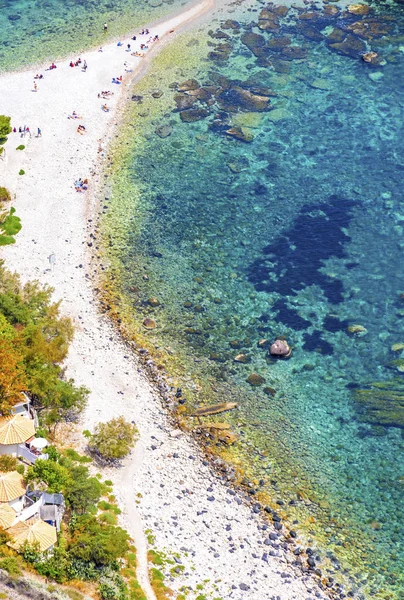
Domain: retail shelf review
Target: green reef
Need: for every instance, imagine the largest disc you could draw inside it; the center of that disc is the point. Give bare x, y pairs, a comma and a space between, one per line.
383, 402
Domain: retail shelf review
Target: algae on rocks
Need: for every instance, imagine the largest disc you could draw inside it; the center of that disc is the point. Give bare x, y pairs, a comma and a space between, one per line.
383, 403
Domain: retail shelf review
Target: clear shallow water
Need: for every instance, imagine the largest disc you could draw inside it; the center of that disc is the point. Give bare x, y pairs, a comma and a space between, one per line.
299, 234
46, 29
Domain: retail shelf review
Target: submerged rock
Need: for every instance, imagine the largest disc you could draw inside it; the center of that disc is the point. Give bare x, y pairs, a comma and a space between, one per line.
370, 57
238, 97
149, 324
358, 9
255, 379
164, 131
153, 302
357, 330
183, 101
242, 358
281, 349
193, 114
350, 46
189, 84
240, 134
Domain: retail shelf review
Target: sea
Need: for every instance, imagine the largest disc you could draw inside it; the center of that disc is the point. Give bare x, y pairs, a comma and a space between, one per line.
254, 193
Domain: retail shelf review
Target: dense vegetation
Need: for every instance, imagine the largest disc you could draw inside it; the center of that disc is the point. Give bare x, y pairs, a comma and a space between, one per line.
34, 340
91, 547
5, 128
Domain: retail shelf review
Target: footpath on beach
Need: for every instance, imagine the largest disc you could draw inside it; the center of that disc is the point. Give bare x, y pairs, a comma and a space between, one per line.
165, 486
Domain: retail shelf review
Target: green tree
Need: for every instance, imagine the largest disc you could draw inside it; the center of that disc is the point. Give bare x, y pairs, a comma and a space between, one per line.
44, 339
5, 128
55, 476
82, 491
113, 440
96, 542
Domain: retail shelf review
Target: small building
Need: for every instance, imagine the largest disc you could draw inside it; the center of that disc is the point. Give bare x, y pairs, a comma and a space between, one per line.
12, 491
51, 506
7, 516
17, 438
34, 531
14, 431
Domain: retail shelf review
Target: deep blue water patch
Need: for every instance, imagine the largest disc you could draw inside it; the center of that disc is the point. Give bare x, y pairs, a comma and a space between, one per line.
314, 342
297, 256
289, 317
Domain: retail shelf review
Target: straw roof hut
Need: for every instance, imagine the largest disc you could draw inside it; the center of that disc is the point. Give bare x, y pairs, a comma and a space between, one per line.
11, 486
33, 531
7, 516
15, 429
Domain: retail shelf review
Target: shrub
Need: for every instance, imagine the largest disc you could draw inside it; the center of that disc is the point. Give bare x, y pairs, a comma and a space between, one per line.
8, 463
5, 128
21, 172
113, 440
10, 225
5, 195
10, 564
20, 147
97, 542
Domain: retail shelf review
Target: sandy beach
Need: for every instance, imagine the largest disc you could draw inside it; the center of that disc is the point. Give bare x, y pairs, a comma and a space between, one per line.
165, 486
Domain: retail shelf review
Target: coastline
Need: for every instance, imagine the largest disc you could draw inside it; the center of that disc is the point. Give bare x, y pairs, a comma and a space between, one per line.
56, 220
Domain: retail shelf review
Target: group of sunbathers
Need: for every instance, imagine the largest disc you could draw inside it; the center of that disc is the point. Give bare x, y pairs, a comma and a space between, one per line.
81, 129
117, 79
81, 185
74, 115
105, 94
76, 63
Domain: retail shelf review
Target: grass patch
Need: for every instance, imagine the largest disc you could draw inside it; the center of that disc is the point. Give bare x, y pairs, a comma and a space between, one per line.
150, 537
177, 570
109, 518
104, 505
73, 455
20, 147
161, 591
156, 558
74, 594
21, 172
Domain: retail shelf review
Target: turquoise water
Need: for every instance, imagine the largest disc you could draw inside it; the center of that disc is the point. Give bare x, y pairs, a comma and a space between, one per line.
46, 29
295, 232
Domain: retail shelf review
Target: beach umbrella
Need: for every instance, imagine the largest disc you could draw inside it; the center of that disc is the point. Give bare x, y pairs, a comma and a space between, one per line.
11, 486
39, 443
34, 531
16, 430
7, 516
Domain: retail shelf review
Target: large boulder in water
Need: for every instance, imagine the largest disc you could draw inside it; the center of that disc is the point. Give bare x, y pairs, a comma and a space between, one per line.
193, 114
280, 349
183, 101
189, 84
238, 98
350, 46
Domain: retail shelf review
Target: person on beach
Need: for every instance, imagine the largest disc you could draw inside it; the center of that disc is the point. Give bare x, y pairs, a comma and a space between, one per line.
128, 48
134, 38
35, 87
85, 65
105, 28
28, 131
39, 134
